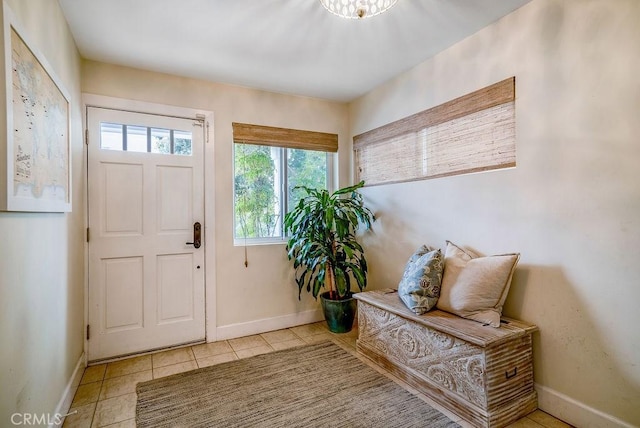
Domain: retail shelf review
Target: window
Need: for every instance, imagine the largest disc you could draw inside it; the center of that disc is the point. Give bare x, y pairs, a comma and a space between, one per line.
266, 173
472, 133
133, 138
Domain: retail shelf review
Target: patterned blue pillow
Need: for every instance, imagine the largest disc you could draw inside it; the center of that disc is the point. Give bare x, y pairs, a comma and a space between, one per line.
419, 287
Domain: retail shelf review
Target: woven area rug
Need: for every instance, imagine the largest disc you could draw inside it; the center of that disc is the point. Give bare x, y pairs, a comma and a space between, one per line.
311, 386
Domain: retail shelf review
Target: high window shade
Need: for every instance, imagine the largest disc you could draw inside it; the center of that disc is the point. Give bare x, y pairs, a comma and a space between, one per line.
283, 137
475, 132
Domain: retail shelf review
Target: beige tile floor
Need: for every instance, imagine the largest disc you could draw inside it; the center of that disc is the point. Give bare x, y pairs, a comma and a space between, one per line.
106, 396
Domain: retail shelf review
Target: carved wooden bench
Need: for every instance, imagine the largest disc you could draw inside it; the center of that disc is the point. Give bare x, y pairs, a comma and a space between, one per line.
481, 373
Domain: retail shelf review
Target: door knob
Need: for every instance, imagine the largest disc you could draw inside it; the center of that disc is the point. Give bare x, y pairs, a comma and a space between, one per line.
196, 235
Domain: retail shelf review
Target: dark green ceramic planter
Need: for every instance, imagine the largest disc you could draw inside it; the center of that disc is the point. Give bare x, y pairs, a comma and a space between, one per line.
339, 313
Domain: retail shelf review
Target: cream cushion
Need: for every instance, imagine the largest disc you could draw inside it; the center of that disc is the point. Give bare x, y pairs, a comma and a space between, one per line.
476, 287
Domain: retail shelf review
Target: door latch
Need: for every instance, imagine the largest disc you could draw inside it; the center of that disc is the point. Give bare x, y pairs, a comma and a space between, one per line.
197, 232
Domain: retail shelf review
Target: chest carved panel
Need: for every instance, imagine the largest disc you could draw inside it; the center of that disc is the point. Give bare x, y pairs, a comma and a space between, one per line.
449, 362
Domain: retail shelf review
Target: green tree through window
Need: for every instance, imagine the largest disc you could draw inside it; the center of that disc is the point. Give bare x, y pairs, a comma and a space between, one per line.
306, 168
255, 199
264, 189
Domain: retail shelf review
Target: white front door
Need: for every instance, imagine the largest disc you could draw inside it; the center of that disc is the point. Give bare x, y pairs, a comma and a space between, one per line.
145, 192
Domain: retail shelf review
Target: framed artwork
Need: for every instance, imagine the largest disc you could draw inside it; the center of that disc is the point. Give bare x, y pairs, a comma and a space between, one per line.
37, 164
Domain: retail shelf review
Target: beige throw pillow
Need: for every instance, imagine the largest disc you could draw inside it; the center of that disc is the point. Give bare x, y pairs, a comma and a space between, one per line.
476, 287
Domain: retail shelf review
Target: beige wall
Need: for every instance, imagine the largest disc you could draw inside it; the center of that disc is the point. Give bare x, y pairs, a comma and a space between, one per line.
571, 206
41, 255
265, 289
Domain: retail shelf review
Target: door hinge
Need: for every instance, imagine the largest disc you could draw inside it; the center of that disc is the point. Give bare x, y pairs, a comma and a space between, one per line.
88, 331
87, 234
86, 136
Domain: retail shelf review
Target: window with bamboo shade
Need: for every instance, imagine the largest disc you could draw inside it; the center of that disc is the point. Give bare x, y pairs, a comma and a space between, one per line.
475, 132
269, 165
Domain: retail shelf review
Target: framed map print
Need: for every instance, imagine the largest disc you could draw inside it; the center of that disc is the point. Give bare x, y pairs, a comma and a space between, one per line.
38, 156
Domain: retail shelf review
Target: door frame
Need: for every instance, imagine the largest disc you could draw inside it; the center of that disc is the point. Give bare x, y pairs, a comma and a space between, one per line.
92, 100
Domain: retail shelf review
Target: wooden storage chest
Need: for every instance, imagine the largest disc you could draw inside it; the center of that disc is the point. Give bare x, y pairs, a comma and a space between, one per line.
481, 373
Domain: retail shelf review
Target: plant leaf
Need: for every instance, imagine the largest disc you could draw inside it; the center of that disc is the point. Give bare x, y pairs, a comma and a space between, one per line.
322, 230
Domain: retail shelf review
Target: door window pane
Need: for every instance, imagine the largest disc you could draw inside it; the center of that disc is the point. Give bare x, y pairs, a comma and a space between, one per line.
144, 139
160, 141
136, 138
110, 136
182, 143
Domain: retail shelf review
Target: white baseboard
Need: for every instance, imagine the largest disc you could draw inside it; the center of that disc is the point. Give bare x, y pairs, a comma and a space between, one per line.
268, 324
70, 390
574, 412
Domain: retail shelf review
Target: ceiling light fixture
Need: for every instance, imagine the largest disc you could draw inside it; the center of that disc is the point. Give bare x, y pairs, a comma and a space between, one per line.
357, 9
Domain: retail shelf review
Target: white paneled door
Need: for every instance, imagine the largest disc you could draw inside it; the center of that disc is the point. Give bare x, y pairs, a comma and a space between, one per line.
146, 204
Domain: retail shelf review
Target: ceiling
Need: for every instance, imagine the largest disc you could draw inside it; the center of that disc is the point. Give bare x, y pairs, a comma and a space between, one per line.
286, 46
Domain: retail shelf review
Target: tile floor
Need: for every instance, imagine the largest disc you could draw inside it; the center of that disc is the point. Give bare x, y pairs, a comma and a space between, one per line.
106, 396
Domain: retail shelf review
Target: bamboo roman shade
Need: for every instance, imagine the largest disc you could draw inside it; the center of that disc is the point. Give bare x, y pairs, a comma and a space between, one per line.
283, 137
475, 132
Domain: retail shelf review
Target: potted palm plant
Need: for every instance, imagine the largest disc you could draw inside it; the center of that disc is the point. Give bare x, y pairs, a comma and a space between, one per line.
322, 244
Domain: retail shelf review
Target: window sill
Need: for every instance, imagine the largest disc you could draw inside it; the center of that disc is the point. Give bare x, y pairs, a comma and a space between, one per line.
254, 242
